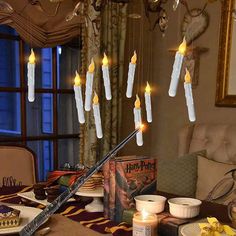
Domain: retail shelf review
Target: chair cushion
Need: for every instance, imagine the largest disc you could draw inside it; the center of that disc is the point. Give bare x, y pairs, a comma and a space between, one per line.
209, 174
178, 176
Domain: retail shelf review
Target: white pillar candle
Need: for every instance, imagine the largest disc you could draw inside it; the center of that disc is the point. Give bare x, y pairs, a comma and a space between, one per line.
97, 116
89, 86
31, 76
148, 104
138, 121
189, 97
144, 224
79, 99
177, 69
106, 77
131, 73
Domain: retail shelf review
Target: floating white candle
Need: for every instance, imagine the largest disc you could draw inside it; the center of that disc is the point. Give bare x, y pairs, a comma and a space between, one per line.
106, 77
97, 116
148, 104
79, 99
189, 96
31, 76
131, 73
177, 68
138, 121
89, 86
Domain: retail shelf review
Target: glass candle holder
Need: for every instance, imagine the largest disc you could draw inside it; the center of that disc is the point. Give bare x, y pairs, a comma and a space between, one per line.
144, 224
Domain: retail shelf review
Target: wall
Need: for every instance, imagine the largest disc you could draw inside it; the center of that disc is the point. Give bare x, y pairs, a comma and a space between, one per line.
170, 114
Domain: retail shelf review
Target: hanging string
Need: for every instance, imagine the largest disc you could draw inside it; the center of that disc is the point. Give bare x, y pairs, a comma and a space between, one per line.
142, 49
140, 54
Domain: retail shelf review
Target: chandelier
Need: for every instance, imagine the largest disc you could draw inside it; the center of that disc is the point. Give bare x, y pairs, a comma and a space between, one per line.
152, 8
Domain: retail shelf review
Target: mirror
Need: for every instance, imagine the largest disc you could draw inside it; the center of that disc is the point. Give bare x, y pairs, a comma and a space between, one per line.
226, 79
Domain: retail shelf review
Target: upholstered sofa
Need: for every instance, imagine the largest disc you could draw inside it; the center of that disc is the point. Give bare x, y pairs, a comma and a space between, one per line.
212, 148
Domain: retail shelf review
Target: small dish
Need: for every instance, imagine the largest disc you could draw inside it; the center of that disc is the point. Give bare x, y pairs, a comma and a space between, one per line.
150, 203
184, 208
193, 229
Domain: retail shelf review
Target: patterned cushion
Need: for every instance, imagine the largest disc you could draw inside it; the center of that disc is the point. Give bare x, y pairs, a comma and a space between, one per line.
178, 176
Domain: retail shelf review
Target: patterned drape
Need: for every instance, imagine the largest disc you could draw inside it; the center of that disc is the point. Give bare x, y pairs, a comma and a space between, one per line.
104, 31
113, 37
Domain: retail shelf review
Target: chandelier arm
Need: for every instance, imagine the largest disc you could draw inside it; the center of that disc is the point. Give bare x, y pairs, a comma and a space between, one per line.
100, 7
35, 2
184, 2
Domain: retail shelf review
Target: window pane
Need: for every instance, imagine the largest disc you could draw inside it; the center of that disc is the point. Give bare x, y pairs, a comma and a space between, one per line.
10, 110
9, 63
67, 114
68, 151
40, 115
68, 59
44, 157
43, 67
7, 30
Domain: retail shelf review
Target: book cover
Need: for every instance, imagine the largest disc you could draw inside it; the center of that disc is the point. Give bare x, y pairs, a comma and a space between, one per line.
112, 187
169, 225
106, 175
112, 183
133, 176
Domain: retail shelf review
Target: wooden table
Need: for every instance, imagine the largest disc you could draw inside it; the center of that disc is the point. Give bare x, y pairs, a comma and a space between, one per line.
94, 222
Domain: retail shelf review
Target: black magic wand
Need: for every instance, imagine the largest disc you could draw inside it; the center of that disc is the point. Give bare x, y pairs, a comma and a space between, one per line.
31, 227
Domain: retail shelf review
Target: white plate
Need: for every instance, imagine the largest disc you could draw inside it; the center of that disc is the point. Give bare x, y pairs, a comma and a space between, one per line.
193, 229
27, 214
30, 196
98, 192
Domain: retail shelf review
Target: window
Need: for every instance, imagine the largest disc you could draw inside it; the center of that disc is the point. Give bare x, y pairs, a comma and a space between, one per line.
48, 126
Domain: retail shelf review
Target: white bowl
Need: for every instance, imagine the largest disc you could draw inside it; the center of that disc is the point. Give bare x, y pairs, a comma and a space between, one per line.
150, 203
184, 207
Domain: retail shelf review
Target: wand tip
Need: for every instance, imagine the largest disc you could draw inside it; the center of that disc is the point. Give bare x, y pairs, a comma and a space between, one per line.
142, 127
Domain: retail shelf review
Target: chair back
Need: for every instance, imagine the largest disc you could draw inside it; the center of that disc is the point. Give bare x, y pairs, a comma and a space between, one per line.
17, 164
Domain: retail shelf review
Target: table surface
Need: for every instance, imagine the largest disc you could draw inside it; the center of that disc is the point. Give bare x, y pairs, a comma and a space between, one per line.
96, 221
73, 210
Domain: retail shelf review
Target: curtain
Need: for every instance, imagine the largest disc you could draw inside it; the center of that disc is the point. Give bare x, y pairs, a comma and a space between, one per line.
90, 49
41, 23
106, 32
113, 38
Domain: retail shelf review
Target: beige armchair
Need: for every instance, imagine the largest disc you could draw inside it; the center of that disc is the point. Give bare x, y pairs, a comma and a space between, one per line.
219, 140
17, 162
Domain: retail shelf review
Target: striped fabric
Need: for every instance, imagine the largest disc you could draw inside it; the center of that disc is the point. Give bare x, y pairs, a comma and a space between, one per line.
74, 211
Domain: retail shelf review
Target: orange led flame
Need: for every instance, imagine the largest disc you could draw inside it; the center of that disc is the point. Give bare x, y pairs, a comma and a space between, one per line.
137, 102
148, 88
105, 60
91, 67
142, 127
95, 99
134, 58
182, 47
32, 57
77, 79
187, 77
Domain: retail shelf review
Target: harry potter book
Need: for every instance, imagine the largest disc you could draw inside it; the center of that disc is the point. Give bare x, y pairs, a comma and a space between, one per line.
129, 176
